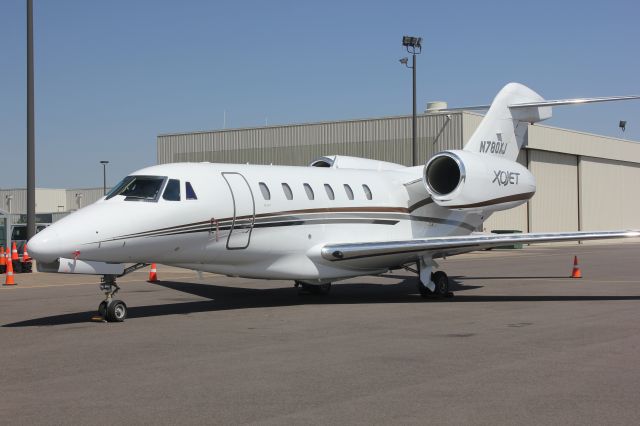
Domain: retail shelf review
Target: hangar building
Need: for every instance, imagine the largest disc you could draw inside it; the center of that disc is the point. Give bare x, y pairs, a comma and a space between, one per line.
583, 180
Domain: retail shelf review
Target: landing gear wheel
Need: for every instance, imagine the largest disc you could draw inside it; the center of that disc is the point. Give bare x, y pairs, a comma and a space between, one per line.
116, 311
441, 282
320, 289
102, 309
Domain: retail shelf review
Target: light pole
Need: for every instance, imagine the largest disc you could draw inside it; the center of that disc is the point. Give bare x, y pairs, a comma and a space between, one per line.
31, 162
9, 198
104, 176
413, 46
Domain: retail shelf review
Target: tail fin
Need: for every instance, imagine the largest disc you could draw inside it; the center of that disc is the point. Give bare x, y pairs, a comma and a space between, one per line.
502, 131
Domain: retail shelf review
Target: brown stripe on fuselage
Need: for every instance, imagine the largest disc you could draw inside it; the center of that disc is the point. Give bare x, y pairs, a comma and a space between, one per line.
517, 197
402, 210
420, 203
333, 210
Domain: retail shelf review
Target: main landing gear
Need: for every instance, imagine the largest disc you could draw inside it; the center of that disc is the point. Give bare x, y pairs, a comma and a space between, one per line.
319, 289
110, 309
432, 284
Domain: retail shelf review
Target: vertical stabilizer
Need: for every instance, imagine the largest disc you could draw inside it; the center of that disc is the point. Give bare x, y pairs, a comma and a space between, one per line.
502, 131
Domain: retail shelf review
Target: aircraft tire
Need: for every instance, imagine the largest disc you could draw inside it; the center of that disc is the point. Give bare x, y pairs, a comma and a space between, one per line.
102, 309
116, 311
441, 281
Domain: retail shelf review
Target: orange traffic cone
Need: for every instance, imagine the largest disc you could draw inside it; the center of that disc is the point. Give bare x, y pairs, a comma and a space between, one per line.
25, 254
153, 274
14, 252
9, 278
3, 262
576, 269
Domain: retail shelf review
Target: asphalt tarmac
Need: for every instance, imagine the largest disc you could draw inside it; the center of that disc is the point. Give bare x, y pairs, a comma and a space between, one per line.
519, 343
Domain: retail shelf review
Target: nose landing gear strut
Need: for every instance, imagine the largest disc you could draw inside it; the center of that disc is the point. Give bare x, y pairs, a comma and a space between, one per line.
110, 309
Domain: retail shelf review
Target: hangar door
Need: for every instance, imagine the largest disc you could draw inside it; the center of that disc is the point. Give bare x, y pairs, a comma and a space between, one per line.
554, 207
608, 194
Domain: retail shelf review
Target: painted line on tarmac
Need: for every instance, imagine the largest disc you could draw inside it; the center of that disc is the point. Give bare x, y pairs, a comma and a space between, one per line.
79, 284
478, 256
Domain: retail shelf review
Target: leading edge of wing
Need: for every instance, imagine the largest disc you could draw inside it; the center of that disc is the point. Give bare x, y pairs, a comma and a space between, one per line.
347, 251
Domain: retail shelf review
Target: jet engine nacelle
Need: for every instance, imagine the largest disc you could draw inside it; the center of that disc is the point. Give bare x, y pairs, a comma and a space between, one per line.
467, 180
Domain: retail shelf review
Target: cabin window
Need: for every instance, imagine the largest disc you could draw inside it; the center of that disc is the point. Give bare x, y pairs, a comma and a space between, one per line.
172, 190
287, 191
329, 190
138, 188
191, 194
349, 192
367, 192
309, 191
266, 194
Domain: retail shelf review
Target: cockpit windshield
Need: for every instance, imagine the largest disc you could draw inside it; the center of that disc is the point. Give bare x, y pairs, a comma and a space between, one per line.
138, 188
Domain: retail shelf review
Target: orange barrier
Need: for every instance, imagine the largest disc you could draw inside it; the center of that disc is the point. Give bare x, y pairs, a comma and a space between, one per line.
14, 252
9, 278
576, 273
3, 262
153, 274
25, 254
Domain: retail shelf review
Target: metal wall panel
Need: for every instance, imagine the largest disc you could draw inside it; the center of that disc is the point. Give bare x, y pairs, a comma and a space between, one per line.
47, 200
13, 200
578, 143
554, 207
50, 200
470, 122
387, 139
607, 197
81, 197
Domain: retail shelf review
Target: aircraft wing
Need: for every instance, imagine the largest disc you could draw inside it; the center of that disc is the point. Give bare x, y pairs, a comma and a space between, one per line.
447, 246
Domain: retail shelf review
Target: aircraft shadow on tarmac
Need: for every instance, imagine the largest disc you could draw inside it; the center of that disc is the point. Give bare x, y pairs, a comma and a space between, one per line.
228, 298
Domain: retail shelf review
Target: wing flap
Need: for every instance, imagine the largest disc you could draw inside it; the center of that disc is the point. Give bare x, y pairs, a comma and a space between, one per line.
459, 244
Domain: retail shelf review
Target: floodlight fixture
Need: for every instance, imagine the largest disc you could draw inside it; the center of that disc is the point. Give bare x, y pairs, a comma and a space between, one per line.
404, 61
409, 41
623, 125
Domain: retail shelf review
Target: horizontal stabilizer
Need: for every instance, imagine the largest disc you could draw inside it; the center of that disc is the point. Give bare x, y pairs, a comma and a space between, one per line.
551, 102
577, 101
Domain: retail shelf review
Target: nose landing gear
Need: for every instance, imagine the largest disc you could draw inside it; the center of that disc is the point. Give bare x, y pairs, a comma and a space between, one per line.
111, 309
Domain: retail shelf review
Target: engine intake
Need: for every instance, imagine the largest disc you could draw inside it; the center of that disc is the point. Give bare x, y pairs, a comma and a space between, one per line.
443, 174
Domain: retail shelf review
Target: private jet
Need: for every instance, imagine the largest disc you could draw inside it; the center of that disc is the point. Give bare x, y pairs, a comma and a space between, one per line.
338, 218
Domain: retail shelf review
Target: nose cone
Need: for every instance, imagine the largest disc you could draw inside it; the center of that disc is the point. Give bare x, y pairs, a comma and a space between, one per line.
45, 246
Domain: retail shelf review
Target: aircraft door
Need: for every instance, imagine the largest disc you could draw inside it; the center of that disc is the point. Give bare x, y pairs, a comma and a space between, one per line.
244, 211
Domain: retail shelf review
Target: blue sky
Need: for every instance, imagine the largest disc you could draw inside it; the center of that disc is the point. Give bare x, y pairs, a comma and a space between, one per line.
112, 75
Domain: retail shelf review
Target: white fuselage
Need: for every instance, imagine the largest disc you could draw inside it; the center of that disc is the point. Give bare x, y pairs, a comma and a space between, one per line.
233, 229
